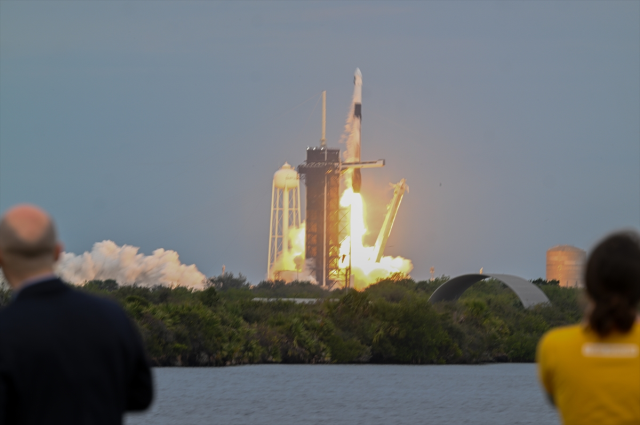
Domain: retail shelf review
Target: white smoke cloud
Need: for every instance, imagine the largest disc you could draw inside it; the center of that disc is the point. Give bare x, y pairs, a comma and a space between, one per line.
127, 267
290, 264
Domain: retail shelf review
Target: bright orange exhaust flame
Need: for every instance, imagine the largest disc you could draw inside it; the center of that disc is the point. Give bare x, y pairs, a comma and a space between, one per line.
362, 259
364, 269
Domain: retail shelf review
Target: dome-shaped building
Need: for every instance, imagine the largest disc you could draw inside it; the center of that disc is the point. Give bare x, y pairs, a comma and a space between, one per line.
565, 264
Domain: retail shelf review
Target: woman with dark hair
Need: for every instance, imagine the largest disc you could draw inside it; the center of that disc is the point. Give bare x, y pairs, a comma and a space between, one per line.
591, 371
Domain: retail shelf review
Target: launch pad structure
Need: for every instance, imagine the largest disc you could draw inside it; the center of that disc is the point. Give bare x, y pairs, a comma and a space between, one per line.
326, 223
334, 222
321, 173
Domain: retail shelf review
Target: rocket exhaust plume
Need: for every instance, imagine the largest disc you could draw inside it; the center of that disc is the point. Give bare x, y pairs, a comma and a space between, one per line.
127, 267
368, 264
290, 263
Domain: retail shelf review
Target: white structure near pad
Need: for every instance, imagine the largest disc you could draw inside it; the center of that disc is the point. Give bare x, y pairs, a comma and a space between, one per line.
285, 216
528, 293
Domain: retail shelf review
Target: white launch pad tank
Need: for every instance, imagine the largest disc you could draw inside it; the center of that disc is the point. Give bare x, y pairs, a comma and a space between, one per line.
285, 216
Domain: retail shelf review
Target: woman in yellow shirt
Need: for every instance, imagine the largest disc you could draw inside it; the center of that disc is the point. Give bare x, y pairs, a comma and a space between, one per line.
591, 371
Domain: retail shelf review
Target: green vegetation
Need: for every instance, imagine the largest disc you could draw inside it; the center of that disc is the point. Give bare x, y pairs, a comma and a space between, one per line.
390, 322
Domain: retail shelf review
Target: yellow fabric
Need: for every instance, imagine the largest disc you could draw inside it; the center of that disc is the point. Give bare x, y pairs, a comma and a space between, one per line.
592, 380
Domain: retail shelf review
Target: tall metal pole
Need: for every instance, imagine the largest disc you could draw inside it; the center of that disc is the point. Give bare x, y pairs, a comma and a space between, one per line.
323, 140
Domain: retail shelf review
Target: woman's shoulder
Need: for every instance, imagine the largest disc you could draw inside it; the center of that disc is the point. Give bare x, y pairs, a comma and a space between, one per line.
563, 335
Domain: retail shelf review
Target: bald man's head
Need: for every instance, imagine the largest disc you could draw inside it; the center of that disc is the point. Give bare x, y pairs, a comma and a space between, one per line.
28, 242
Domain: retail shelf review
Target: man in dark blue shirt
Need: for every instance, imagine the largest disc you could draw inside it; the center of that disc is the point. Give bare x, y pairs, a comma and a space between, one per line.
66, 357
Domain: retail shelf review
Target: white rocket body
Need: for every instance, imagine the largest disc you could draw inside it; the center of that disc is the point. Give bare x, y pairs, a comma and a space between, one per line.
357, 89
357, 125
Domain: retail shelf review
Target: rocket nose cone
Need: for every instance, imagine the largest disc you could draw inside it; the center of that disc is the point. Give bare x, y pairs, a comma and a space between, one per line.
358, 73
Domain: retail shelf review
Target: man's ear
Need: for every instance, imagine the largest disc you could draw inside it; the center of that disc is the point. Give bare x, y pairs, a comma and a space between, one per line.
56, 251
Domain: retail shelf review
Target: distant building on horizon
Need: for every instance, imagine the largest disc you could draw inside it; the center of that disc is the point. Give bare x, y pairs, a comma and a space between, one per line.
565, 264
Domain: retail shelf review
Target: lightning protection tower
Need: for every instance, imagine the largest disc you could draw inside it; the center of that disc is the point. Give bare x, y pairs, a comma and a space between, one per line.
285, 215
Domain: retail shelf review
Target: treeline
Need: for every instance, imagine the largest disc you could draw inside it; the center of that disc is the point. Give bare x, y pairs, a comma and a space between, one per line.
389, 322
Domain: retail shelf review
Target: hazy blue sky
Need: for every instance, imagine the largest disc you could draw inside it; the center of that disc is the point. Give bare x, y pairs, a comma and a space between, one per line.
160, 124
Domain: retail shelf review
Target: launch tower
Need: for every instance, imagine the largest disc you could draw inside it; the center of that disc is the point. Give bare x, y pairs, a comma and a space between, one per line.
321, 172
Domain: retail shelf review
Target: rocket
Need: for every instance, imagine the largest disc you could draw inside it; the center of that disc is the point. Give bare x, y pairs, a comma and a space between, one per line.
357, 125
357, 94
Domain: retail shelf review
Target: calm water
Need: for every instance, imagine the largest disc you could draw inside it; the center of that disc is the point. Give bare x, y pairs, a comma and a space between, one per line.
348, 394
